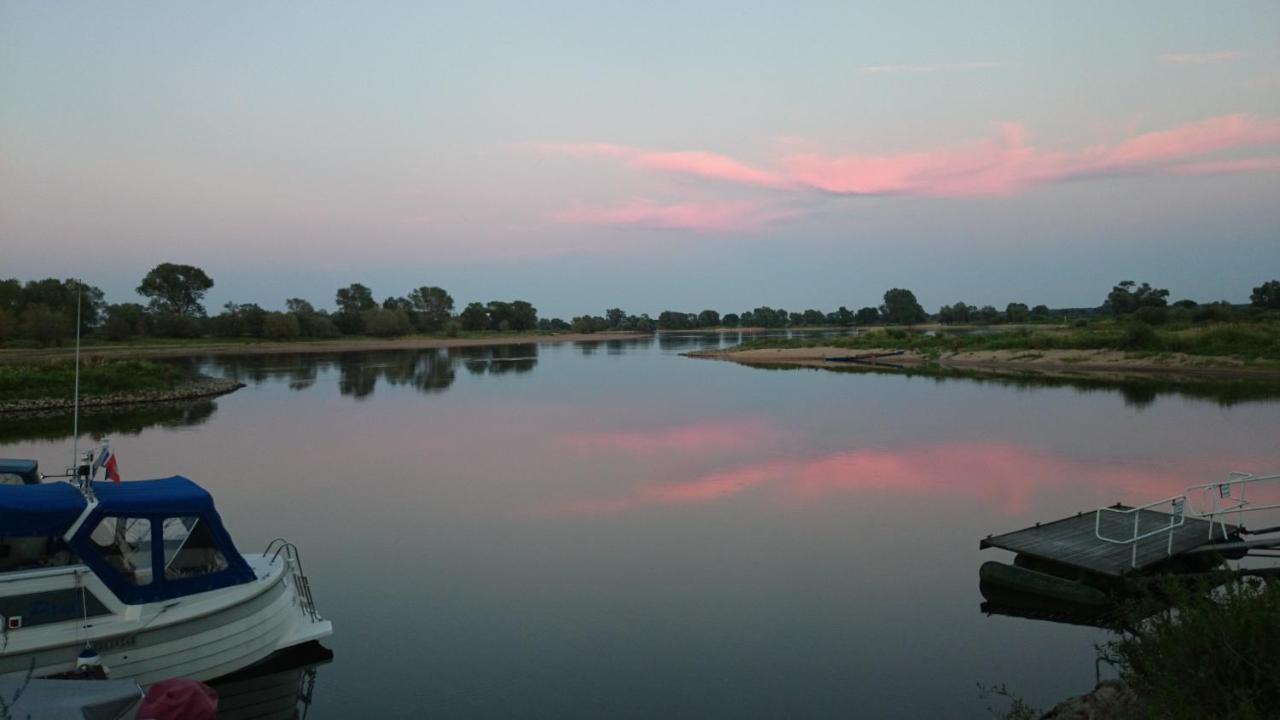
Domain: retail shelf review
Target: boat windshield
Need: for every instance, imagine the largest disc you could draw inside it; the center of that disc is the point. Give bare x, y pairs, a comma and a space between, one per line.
125, 543
190, 549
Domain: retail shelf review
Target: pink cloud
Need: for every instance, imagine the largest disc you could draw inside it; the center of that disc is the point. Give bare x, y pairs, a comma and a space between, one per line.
711, 166
715, 436
1008, 163
1201, 58
1190, 140
1003, 164
1006, 476
706, 216
699, 163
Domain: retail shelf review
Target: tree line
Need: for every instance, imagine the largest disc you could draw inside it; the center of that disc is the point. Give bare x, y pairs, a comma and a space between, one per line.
44, 312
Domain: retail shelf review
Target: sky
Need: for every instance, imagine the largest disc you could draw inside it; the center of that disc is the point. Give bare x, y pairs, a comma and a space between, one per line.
648, 156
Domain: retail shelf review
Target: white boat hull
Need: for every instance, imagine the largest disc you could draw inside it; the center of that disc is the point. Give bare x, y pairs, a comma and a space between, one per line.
201, 636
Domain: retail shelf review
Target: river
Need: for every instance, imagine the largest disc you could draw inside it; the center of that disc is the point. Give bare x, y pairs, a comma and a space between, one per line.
613, 530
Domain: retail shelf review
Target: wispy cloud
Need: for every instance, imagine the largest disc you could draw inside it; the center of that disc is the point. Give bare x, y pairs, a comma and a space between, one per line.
645, 213
700, 163
913, 69
1006, 163
1200, 58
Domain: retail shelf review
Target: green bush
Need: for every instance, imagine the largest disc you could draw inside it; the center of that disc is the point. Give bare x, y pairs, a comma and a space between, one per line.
1139, 337
1152, 315
1213, 654
281, 326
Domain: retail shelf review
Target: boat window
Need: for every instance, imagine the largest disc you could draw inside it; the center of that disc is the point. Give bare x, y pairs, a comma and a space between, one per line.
125, 543
190, 549
25, 553
11, 479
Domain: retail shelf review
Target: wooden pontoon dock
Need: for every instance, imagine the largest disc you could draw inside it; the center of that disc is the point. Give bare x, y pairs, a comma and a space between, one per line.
1074, 541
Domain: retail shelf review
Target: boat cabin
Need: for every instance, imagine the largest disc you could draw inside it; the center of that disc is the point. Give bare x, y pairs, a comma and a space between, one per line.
19, 472
147, 540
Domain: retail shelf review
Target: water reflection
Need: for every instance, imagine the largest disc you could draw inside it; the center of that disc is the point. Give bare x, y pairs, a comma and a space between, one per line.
497, 359
1009, 603
1137, 393
734, 459
653, 536
99, 422
429, 370
615, 346
281, 688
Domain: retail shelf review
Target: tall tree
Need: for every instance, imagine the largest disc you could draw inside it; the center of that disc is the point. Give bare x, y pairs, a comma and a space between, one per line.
176, 289
615, 316
813, 317
298, 306
524, 316
1017, 313
866, 316
355, 298
61, 297
901, 308
1266, 295
1128, 296
11, 294
432, 308
474, 317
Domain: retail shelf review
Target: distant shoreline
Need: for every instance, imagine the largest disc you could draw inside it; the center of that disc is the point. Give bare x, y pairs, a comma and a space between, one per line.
1101, 364
266, 347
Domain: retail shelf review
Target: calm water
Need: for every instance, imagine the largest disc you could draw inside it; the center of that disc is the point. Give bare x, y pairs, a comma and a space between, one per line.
611, 530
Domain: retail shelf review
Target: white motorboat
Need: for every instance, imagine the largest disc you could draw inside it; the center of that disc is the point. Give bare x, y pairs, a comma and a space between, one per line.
140, 578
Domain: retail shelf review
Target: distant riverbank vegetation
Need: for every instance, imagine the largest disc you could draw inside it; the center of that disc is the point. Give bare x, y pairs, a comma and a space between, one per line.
42, 313
1132, 318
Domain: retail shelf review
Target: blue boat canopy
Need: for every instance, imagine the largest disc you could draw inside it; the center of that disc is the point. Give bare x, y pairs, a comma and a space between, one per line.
27, 470
147, 540
46, 510
169, 497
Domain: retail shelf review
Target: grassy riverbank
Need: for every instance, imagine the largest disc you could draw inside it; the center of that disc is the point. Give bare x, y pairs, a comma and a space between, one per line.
48, 387
176, 347
1249, 342
57, 379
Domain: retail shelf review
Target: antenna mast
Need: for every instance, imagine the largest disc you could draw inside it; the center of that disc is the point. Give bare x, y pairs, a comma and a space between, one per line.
75, 413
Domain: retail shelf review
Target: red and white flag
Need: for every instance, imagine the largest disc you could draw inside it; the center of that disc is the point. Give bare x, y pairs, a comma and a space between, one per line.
107, 461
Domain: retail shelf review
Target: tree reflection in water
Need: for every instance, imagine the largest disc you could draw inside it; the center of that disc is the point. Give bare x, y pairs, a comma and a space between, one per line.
429, 370
497, 359
100, 422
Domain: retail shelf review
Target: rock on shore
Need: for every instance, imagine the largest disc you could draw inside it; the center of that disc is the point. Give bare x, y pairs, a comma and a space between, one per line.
1111, 699
199, 387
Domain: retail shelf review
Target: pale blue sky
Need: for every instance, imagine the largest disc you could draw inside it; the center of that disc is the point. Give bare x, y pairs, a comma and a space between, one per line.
291, 148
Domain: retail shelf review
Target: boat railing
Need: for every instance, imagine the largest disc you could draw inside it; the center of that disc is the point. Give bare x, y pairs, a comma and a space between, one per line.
1177, 517
293, 558
1217, 500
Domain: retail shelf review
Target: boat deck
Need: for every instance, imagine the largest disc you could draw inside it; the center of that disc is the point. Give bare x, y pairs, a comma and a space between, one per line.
1072, 541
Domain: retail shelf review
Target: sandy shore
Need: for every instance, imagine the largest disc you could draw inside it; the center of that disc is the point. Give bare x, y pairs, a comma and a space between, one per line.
1053, 363
215, 347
